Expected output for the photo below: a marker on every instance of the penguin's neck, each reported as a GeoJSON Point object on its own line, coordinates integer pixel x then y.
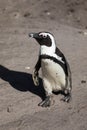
{"type": "Point", "coordinates": [50, 51]}
{"type": "Point", "coordinates": [45, 50]}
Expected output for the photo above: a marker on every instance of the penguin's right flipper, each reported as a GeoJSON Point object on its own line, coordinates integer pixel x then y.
{"type": "Point", "coordinates": [35, 74]}
{"type": "Point", "coordinates": [35, 77]}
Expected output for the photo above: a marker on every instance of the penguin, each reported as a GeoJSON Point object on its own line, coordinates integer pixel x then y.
{"type": "Point", "coordinates": [56, 73]}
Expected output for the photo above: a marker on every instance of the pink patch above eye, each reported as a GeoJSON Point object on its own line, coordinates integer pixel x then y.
{"type": "Point", "coordinates": [43, 35]}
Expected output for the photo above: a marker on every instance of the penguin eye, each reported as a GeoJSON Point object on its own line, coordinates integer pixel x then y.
{"type": "Point", "coordinates": [44, 36]}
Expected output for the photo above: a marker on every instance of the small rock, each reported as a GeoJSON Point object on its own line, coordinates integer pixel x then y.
{"type": "Point", "coordinates": [48, 13]}
{"type": "Point", "coordinates": [26, 14]}
{"type": "Point", "coordinates": [83, 81]}
{"type": "Point", "coordinates": [9, 109]}
{"type": "Point", "coordinates": [27, 68]}
{"type": "Point", "coordinates": [72, 10]}
{"type": "Point", "coordinates": [85, 33]}
{"type": "Point", "coordinates": [16, 15]}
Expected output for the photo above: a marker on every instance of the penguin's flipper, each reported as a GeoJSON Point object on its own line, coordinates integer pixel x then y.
{"type": "Point", "coordinates": [35, 74]}
{"type": "Point", "coordinates": [35, 77]}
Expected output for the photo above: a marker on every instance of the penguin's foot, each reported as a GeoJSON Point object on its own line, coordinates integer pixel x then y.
{"type": "Point", "coordinates": [47, 102]}
{"type": "Point", "coordinates": [67, 98]}
{"type": "Point", "coordinates": [35, 78]}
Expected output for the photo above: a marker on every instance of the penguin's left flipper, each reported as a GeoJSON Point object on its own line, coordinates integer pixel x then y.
{"type": "Point", "coordinates": [35, 77]}
{"type": "Point", "coordinates": [35, 74]}
{"type": "Point", "coordinates": [47, 102]}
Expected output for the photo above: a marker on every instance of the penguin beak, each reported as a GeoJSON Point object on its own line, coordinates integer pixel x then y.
{"type": "Point", "coordinates": [34, 35]}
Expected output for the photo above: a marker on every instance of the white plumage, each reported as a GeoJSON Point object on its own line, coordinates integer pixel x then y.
{"type": "Point", "coordinates": [53, 76]}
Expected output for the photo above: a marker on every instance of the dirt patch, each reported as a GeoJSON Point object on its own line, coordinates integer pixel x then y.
{"type": "Point", "coordinates": [19, 98]}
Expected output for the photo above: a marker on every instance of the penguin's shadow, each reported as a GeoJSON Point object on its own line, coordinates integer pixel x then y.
{"type": "Point", "coordinates": [21, 81]}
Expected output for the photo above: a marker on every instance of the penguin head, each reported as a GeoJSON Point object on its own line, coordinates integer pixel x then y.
{"type": "Point", "coordinates": [46, 41]}
{"type": "Point", "coordinates": [43, 38]}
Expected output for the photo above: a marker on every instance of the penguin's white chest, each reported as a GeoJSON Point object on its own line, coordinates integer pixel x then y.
{"type": "Point", "coordinates": [53, 75]}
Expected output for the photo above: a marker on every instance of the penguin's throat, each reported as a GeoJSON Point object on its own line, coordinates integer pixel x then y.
{"type": "Point", "coordinates": [47, 50]}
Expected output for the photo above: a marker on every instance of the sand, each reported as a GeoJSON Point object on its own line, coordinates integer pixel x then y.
{"type": "Point", "coordinates": [19, 98]}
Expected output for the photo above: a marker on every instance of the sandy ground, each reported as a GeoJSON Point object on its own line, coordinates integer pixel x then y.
{"type": "Point", "coordinates": [19, 98]}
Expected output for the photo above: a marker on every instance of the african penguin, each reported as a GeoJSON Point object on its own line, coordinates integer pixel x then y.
{"type": "Point", "coordinates": [56, 74]}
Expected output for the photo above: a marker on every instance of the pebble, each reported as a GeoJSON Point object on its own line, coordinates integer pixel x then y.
{"type": "Point", "coordinates": [83, 81]}
{"type": "Point", "coordinates": [27, 68]}
{"type": "Point", "coordinates": [9, 109]}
